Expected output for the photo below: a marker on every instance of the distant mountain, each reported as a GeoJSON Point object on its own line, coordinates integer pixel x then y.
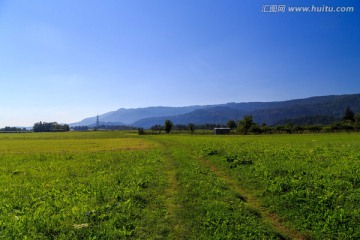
{"type": "Point", "coordinates": [129, 116]}
{"type": "Point", "coordinates": [215, 115]}
{"type": "Point", "coordinates": [299, 111]}
{"type": "Point", "coordinates": [309, 120]}
{"type": "Point", "coordinates": [327, 106]}
{"type": "Point", "coordinates": [106, 124]}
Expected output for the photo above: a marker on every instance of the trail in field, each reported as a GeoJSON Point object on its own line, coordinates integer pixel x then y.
{"type": "Point", "coordinates": [172, 206]}
{"type": "Point", "coordinates": [178, 230]}
{"type": "Point", "coordinates": [254, 203]}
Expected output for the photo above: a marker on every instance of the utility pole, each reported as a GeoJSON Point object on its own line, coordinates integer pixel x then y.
{"type": "Point", "coordinates": [97, 122]}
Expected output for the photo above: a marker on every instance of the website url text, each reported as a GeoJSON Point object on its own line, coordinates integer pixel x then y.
{"type": "Point", "coordinates": [310, 9]}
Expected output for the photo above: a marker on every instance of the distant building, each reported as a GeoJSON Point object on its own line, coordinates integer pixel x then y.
{"type": "Point", "coordinates": [218, 131]}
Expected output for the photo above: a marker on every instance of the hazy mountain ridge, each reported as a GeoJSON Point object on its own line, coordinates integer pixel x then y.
{"type": "Point", "coordinates": [300, 110]}
{"type": "Point", "coordinates": [131, 115]}
{"type": "Point", "coordinates": [201, 116]}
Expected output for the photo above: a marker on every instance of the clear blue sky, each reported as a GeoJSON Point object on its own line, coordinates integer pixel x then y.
{"type": "Point", "coordinates": [70, 59]}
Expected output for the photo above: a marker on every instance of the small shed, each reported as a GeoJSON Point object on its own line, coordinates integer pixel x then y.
{"type": "Point", "coordinates": [218, 131]}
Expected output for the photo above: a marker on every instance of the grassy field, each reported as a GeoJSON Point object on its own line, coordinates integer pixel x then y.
{"type": "Point", "coordinates": [118, 185]}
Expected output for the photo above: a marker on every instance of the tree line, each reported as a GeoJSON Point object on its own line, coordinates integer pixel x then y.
{"type": "Point", "coordinates": [170, 126]}
{"type": "Point", "coordinates": [349, 122]}
{"type": "Point", "coordinates": [12, 129]}
{"type": "Point", "coordinates": [50, 127]}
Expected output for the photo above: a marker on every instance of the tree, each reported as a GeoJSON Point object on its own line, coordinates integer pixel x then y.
{"type": "Point", "coordinates": [255, 129]}
{"type": "Point", "coordinates": [66, 127]}
{"type": "Point", "coordinates": [245, 124]}
{"type": "Point", "coordinates": [168, 126]}
{"type": "Point", "coordinates": [141, 131]}
{"type": "Point", "coordinates": [357, 118]}
{"type": "Point", "coordinates": [265, 128]}
{"type": "Point", "coordinates": [231, 124]}
{"type": "Point", "coordinates": [191, 127]}
{"type": "Point", "coordinates": [349, 115]}
{"type": "Point", "coordinates": [157, 128]}
{"type": "Point", "coordinates": [50, 127]}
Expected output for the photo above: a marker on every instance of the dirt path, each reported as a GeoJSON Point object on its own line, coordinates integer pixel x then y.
{"type": "Point", "coordinates": [254, 203]}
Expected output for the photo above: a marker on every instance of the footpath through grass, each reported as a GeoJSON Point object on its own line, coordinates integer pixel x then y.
{"type": "Point", "coordinates": [205, 206]}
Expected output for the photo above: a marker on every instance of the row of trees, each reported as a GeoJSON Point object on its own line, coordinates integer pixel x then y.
{"type": "Point", "coordinates": [80, 128]}
{"type": "Point", "coordinates": [50, 127]}
{"type": "Point", "coordinates": [170, 126]}
{"type": "Point", "coordinates": [167, 127]}
{"type": "Point", "coordinates": [13, 129]}
{"type": "Point", "coordinates": [350, 122]}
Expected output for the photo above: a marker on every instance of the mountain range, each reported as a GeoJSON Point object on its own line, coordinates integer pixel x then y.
{"type": "Point", "coordinates": [313, 110]}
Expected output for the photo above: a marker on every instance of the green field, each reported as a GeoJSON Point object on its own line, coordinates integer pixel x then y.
{"type": "Point", "coordinates": [118, 185]}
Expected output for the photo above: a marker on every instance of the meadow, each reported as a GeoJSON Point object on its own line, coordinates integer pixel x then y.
{"type": "Point", "coordinates": [119, 185]}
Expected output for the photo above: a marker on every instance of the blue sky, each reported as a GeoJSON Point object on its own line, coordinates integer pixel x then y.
{"type": "Point", "coordinates": [70, 59]}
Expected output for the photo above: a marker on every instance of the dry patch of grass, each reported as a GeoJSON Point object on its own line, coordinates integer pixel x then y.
{"type": "Point", "coordinates": [10, 146]}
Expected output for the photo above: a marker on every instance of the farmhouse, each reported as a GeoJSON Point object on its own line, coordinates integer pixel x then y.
{"type": "Point", "coordinates": [218, 131]}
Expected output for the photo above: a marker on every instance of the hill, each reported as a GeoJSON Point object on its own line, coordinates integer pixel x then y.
{"type": "Point", "coordinates": [125, 116]}
{"type": "Point", "coordinates": [299, 111]}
